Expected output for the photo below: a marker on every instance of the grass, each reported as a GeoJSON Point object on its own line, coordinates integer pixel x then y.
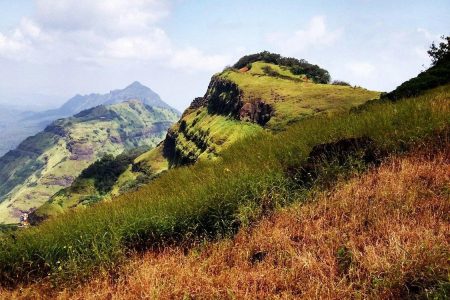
{"type": "Point", "coordinates": [217, 132]}
{"type": "Point", "coordinates": [294, 100]}
{"type": "Point", "coordinates": [207, 199]}
{"type": "Point", "coordinates": [200, 135]}
{"type": "Point", "coordinates": [376, 236]}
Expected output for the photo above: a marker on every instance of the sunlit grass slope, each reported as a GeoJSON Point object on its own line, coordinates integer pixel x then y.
{"type": "Point", "coordinates": [209, 198]}
{"type": "Point", "coordinates": [292, 96]}
{"type": "Point", "coordinates": [201, 134]}
{"type": "Point", "coordinates": [377, 236]}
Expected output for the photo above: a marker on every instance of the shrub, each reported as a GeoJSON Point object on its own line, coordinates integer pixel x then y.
{"type": "Point", "coordinates": [297, 67]}
{"type": "Point", "coordinates": [340, 82]}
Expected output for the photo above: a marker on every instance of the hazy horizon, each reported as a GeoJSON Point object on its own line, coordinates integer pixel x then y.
{"type": "Point", "coordinates": [52, 50]}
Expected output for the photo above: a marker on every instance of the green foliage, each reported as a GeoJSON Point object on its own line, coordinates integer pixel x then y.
{"type": "Point", "coordinates": [340, 82]}
{"type": "Point", "coordinates": [106, 171]}
{"type": "Point", "coordinates": [441, 52]}
{"type": "Point", "coordinates": [297, 67]}
{"type": "Point", "coordinates": [209, 198]}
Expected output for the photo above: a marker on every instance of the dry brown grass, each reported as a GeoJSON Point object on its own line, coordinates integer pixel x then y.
{"type": "Point", "coordinates": [385, 234]}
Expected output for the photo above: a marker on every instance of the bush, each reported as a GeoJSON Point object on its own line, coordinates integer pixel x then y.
{"type": "Point", "coordinates": [106, 171]}
{"type": "Point", "coordinates": [297, 67]}
{"type": "Point", "coordinates": [340, 82]}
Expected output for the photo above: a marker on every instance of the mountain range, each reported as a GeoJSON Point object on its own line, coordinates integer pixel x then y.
{"type": "Point", "coordinates": [50, 160]}
{"type": "Point", "coordinates": [17, 124]}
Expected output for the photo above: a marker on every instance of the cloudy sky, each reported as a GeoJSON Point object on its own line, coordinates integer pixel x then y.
{"type": "Point", "coordinates": [51, 50]}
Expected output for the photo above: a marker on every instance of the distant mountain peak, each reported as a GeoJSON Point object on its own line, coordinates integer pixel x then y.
{"type": "Point", "coordinates": [135, 90]}
{"type": "Point", "coordinates": [136, 84]}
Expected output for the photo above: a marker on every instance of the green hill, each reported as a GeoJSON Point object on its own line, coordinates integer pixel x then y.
{"type": "Point", "coordinates": [238, 104]}
{"type": "Point", "coordinates": [51, 160]}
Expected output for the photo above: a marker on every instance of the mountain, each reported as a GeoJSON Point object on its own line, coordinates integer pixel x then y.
{"type": "Point", "coordinates": [50, 160]}
{"type": "Point", "coordinates": [23, 124]}
{"type": "Point", "coordinates": [134, 91]}
{"type": "Point", "coordinates": [268, 93]}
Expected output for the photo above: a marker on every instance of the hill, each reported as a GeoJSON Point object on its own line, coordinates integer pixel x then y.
{"type": "Point", "coordinates": [237, 105]}
{"type": "Point", "coordinates": [43, 164]}
{"type": "Point", "coordinates": [18, 125]}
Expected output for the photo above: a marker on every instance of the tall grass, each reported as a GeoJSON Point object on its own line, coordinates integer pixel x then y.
{"type": "Point", "coordinates": [205, 199]}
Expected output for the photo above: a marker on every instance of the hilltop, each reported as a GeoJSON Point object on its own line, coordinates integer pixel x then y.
{"type": "Point", "coordinates": [51, 160]}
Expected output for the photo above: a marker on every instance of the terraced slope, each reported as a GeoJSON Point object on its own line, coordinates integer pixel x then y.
{"type": "Point", "coordinates": [51, 160]}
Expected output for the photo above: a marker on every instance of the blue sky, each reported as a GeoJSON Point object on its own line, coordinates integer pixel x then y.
{"type": "Point", "coordinates": [53, 49]}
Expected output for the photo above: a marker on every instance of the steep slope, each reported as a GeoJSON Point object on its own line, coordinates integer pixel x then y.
{"type": "Point", "coordinates": [438, 74]}
{"type": "Point", "coordinates": [43, 164]}
{"type": "Point", "coordinates": [251, 179]}
{"type": "Point", "coordinates": [241, 103]}
{"type": "Point", "coordinates": [23, 124]}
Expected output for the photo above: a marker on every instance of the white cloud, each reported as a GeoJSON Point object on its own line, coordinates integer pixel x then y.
{"type": "Point", "coordinates": [100, 33]}
{"type": "Point", "coordinates": [193, 59]}
{"type": "Point", "coordinates": [11, 45]}
{"type": "Point", "coordinates": [112, 16]}
{"type": "Point", "coordinates": [153, 44]}
{"type": "Point", "coordinates": [428, 35]}
{"type": "Point", "coordinates": [361, 69]}
{"type": "Point", "coordinates": [316, 34]}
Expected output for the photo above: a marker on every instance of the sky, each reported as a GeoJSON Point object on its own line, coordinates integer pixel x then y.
{"type": "Point", "coordinates": [51, 50]}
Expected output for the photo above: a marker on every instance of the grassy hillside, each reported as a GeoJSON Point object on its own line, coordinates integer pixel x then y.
{"type": "Point", "coordinates": [380, 235]}
{"type": "Point", "coordinates": [238, 104]}
{"type": "Point", "coordinates": [51, 160]}
{"type": "Point", "coordinates": [214, 198]}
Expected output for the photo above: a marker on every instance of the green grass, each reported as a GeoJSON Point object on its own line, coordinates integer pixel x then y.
{"type": "Point", "coordinates": [216, 132]}
{"type": "Point", "coordinates": [207, 199]}
{"type": "Point", "coordinates": [201, 134]}
{"type": "Point", "coordinates": [295, 100]}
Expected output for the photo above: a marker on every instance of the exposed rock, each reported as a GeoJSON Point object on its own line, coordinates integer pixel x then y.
{"type": "Point", "coordinates": [115, 139]}
{"type": "Point", "coordinates": [224, 97]}
{"type": "Point", "coordinates": [63, 181]}
{"type": "Point", "coordinates": [197, 103]}
{"type": "Point", "coordinates": [80, 151]}
{"type": "Point", "coordinates": [56, 129]}
{"type": "Point", "coordinates": [257, 112]}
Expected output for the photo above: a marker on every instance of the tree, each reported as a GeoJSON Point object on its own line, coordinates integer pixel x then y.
{"type": "Point", "coordinates": [440, 52]}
